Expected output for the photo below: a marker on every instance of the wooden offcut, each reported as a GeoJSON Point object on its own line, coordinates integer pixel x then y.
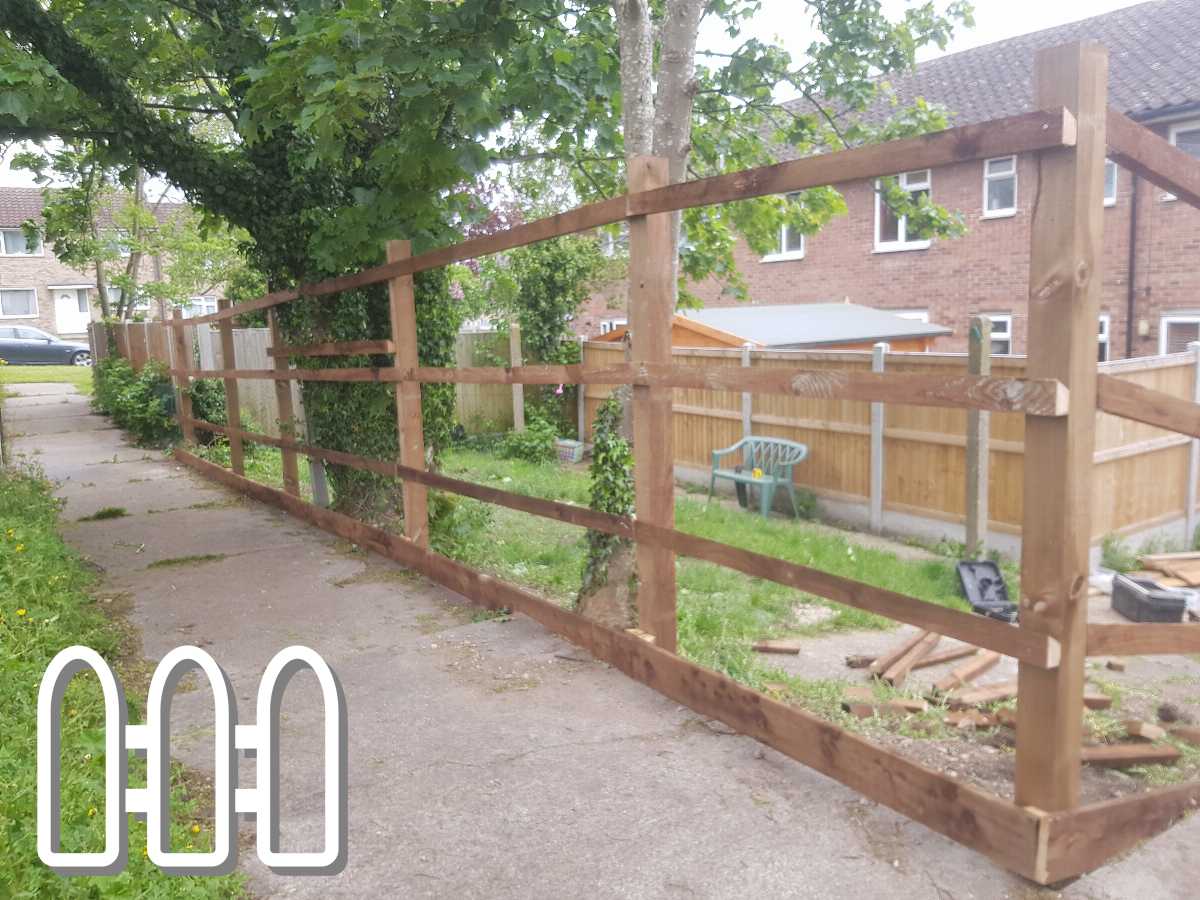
{"type": "Point", "coordinates": [886, 660]}
{"type": "Point", "coordinates": [982, 696]}
{"type": "Point", "coordinates": [1121, 756]}
{"type": "Point", "coordinates": [1136, 728]}
{"type": "Point", "coordinates": [897, 673]}
{"type": "Point", "coordinates": [983, 661]}
{"type": "Point", "coordinates": [777, 645]}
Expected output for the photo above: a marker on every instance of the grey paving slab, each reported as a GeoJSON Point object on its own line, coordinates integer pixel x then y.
{"type": "Point", "coordinates": [489, 758]}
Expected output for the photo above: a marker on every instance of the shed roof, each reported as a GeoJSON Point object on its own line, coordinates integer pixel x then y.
{"type": "Point", "coordinates": [812, 324]}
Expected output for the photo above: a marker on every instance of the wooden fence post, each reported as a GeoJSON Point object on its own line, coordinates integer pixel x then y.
{"type": "Point", "coordinates": [1189, 537]}
{"type": "Point", "coordinates": [651, 307]}
{"type": "Point", "coordinates": [233, 406]}
{"type": "Point", "coordinates": [182, 351]}
{"type": "Point", "coordinates": [287, 412]}
{"type": "Point", "coordinates": [979, 362]}
{"type": "Point", "coordinates": [878, 358]}
{"type": "Point", "coordinates": [408, 396]}
{"type": "Point", "coordinates": [581, 397]}
{"type": "Point", "coordinates": [747, 397]}
{"type": "Point", "coordinates": [518, 390]}
{"type": "Point", "coordinates": [1064, 289]}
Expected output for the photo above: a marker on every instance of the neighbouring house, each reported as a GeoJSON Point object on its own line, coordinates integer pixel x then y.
{"type": "Point", "coordinates": [808, 326]}
{"type": "Point", "coordinates": [39, 290]}
{"type": "Point", "coordinates": [1150, 301]}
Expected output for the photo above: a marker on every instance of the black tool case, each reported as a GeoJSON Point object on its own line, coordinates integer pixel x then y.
{"type": "Point", "coordinates": [1143, 600]}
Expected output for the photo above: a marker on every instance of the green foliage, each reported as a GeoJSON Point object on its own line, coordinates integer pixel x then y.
{"type": "Point", "coordinates": [611, 474]}
{"type": "Point", "coordinates": [1117, 555]}
{"type": "Point", "coordinates": [535, 444]}
{"type": "Point", "coordinates": [208, 400]}
{"type": "Point", "coordinates": [136, 401]}
{"type": "Point", "coordinates": [44, 607]}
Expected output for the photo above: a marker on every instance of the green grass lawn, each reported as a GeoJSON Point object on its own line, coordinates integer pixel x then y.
{"type": "Point", "coordinates": [45, 606]}
{"type": "Point", "coordinates": [80, 376]}
{"type": "Point", "coordinates": [720, 611]}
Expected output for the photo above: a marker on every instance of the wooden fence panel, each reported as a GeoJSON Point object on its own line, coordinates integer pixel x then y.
{"type": "Point", "coordinates": [483, 407]}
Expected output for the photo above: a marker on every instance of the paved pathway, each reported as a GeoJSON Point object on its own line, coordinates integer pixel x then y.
{"type": "Point", "coordinates": [488, 759]}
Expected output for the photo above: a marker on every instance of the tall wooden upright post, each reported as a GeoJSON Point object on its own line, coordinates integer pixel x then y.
{"type": "Point", "coordinates": [408, 395]}
{"type": "Point", "coordinates": [233, 407]}
{"type": "Point", "coordinates": [651, 308]}
{"type": "Point", "coordinates": [287, 410]}
{"type": "Point", "coordinates": [518, 389]}
{"type": "Point", "coordinates": [1064, 289]}
{"type": "Point", "coordinates": [182, 350]}
{"type": "Point", "coordinates": [979, 362]}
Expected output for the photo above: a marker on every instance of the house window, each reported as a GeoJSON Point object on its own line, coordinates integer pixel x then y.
{"type": "Point", "coordinates": [1102, 337]}
{"type": "Point", "coordinates": [1110, 183]}
{"type": "Point", "coordinates": [14, 242]}
{"type": "Point", "coordinates": [916, 315]}
{"type": "Point", "coordinates": [18, 304]}
{"type": "Point", "coordinates": [610, 325]}
{"type": "Point", "coordinates": [200, 306]}
{"type": "Point", "coordinates": [1002, 334]}
{"type": "Point", "coordinates": [891, 230]}
{"type": "Point", "coordinates": [791, 242]}
{"type": "Point", "coordinates": [999, 187]}
{"type": "Point", "coordinates": [1176, 332]}
{"type": "Point", "coordinates": [1185, 136]}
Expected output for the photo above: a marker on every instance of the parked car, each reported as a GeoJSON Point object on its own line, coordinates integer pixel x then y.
{"type": "Point", "coordinates": [21, 345]}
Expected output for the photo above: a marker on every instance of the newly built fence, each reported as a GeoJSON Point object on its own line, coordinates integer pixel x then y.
{"type": "Point", "coordinates": [1142, 474]}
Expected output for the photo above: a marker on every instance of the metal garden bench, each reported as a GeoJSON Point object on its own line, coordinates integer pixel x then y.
{"type": "Point", "coordinates": [766, 462]}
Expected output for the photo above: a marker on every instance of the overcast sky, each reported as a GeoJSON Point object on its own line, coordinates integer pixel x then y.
{"type": "Point", "coordinates": [994, 21]}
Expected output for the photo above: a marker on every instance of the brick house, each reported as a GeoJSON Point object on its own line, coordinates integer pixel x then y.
{"type": "Point", "coordinates": [1151, 275]}
{"type": "Point", "coordinates": [39, 290]}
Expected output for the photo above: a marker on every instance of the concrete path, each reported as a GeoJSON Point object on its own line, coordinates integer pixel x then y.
{"type": "Point", "coordinates": [487, 758]}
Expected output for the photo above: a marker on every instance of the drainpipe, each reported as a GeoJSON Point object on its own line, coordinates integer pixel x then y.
{"type": "Point", "coordinates": [1131, 296]}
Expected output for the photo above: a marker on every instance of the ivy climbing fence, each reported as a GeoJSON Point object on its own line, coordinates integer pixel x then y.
{"type": "Point", "coordinates": [1042, 833]}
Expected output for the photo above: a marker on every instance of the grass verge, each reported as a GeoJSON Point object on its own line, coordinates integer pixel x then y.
{"type": "Point", "coordinates": [44, 607]}
{"type": "Point", "coordinates": [80, 376]}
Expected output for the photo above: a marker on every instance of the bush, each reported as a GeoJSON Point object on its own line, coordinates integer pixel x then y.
{"type": "Point", "coordinates": [136, 401]}
{"type": "Point", "coordinates": [1115, 554]}
{"type": "Point", "coordinates": [535, 444]}
{"type": "Point", "coordinates": [208, 400]}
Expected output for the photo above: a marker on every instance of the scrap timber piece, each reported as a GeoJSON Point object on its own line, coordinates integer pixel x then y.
{"type": "Point", "coordinates": [898, 671]}
{"type": "Point", "coordinates": [981, 662]}
{"type": "Point", "coordinates": [1136, 728]}
{"type": "Point", "coordinates": [1118, 756]}
{"type": "Point", "coordinates": [889, 659]}
{"type": "Point", "coordinates": [773, 645]}
{"type": "Point", "coordinates": [859, 660]}
{"type": "Point", "coordinates": [1007, 716]}
{"type": "Point", "coordinates": [980, 696]}
{"type": "Point", "coordinates": [859, 701]}
{"type": "Point", "coordinates": [969, 719]}
{"type": "Point", "coordinates": [1187, 733]}
{"type": "Point", "coordinates": [904, 706]}
{"type": "Point", "coordinates": [1096, 700]}
{"type": "Point", "coordinates": [945, 656]}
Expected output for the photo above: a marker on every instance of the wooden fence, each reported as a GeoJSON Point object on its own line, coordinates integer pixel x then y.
{"type": "Point", "coordinates": [1044, 832]}
{"type": "Point", "coordinates": [1142, 473]}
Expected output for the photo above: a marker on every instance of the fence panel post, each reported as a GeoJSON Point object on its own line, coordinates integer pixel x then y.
{"type": "Point", "coordinates": [651, 307]}
{"type": "Point", "coordinates": [182, 353]}
{"type": "Point", "coordinates": [233, 405]}
{"type": "Point", "coordinates": [1193, 457]}
{"type": "Point", "coordinates": [878, 362]}
{"type": "Point", "coordinates": [1064, 292]}
{"type": "Point", "coordinates": [287, 412]}
{"type": "Point", "coordinates": [747, 397]}
{"type": "Point", "coordinates": [581, 397]}
{"type": "Point", "coordinates": [121, 336]}
{"type": "Point", "coordinates": [979, 362]}
{"type": "Point", "coordinates": [408, 396]}
{"type": "Point", "coordinates": [518, 390]}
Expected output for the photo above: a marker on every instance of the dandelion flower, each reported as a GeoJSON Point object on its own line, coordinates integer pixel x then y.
{"type": "Point", "coordinates": [195, 829]}
{"type": "Point", "coordinates": [20, 548]}
{"type": "Point", "coordinates": [91, 812]}
{"type": "Point", "coordinates": [22, 611]}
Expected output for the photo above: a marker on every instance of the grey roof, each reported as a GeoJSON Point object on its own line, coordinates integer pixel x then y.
{"type": "Point", "coordinates": [19, 204]}
{"type": "Point", "coordinates": [812, 324]}
{"type": "Point", "coordinates": [1154, 66]}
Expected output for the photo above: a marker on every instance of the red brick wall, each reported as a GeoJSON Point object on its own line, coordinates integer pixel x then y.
{"type": "Point", "coordinates": [985, 271]}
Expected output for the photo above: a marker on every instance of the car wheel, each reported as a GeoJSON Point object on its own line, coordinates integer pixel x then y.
{"type": "Point", "coordinates": [82, 358]}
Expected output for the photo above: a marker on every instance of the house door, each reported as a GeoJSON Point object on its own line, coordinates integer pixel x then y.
{"type": "Point", "coordinates": [72, 313]}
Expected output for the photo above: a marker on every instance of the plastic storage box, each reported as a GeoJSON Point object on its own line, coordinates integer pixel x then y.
{"type": "Point", "coordinates": [569, 451]}
{"type": "Point", "coordinates": [1142, 600]}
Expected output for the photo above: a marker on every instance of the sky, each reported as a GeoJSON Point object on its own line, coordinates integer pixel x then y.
{"type": "Point", "coordinates": [995, 20]}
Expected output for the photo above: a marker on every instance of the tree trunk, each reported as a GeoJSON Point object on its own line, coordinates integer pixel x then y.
{"type": "Point", "coordinates": [636, 35]}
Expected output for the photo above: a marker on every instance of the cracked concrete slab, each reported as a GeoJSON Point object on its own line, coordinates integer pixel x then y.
{"type": "Point", "coordinates": [489, 758]}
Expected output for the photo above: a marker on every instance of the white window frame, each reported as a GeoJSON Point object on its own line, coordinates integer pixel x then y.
{"type": "Point", "coordinates": [1173, 135]}
{"type": "Point", "coordinates": [202, 301]}
{"type": "Point", "coordinates": [607, 326]}
{"type": "Point", "coordinates": [902, 243]}
{"type": "Point", "coordinates": [1006, 335]}
{"type": "Point", "coordinates": [915, 315]}
{"type": "Point", "coordinates": [782, 254]}
{"type": "Point", "coordinates": [36, 304]}
{"type": "Point", "coordinates": [1184, 318]}
{"type": "Point", "coordinates": [1109, 164]}
{"type": "Point", "coordinates": [1104, 336]}
{"type": "Point", "coordinates": [1009, 211]}
{"type": "Point", "coordinates": [41, 250]}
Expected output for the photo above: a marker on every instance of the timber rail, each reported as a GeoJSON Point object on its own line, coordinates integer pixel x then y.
{"type": "Point", "coordinates": [1044, 833]}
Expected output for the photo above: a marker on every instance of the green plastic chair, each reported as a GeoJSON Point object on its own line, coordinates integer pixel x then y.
{"type": "Point", "coordinates": [773, 457]}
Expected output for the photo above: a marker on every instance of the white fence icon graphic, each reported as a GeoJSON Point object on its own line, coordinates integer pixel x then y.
{"type": "Point", "coordinates": [152, 738]}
